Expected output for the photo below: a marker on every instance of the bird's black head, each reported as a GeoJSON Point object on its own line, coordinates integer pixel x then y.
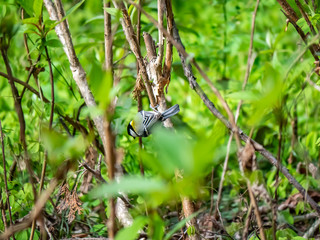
{"type": "Point", "coordinates": [131, 131]}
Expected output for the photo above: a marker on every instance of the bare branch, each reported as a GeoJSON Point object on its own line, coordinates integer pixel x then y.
{"type": "Point", "coordinates": [26, 85]}
{"type": "Point", "coordinates": [56, 13]}
{"type": "Point", "coordinates": [132, 40]}
{"type": "Point", "coordinates": [5, 176]}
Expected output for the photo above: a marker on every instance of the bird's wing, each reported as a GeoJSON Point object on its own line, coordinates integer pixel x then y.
{"type": "Point", "coordinates": [150, 118]}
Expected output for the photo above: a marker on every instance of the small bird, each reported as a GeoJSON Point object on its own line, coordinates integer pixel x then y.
{"type": "Point", "coordinates": [144, 121]}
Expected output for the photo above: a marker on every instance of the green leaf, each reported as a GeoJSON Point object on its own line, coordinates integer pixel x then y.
{"type": "Point", "coordinates": [69, 12]}
{"type": "Point", "coordinates": [31, 20]}
{"type": "Point", "coordinates": [96, 18]}
{"type": "Point", "coordinates": [179, 225]}
{"type": "Point", "coordinates": [53, 43]}
{"type": "Point", "coordinates": [132, 232]}
{"type": "Point", "coordinates": [113, 11]}
{"type": "Point", "coordinates": [61, 147]}
{"type": "Point", "coordinates": [27, 5]}
{"type": "Point", "coordinates": [74, 8]}
{"type": "Point", "coordinates": [129, 184]}
{"type": "Point", "coordinates": [37, 8]}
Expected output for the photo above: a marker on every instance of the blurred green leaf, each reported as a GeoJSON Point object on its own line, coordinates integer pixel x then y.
{"type": "Point", "coordinates": [132, 232]}
{"type": "Point", "coordinates": [37, 8]}
{"type": "Point", "coordinates": [130, 184]}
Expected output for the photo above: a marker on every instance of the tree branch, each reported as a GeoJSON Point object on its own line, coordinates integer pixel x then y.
{"type": "Point", "coordinates": [56, 13]}
{"type": "Point", "coordinates": [26, 85]}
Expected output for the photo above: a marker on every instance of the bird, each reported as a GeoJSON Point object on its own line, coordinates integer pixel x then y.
{"type": "Point", "coordinates": [143, 122]}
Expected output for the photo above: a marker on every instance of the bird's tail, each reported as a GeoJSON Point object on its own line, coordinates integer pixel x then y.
{"type": "Point", "coordinates": [170, 112]}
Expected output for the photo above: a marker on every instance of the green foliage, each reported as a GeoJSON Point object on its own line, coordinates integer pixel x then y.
{"type": "Point", "coordinates": [177, 162]}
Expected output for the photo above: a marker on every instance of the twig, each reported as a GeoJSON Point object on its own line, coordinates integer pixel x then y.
{"type": "Point", "coordinates": [18, 108]}
{"type": "Point", "coordinates": [109, 149]}
{"type": "Point", "coordinates": [44, 165]}
{"type": "Point", "coordinates": [288, 9]}
{"type": "Point", "coordinates": [139, 97]}
{"type": "Point", "coordinates": [160, 34]}
{"type": "Point", "coordinates": [256, 211]}
{"type": "Point", "coordinates": [5, 177]}
{"type": "Point", "coordinates": [96, 173]}
{"type": "Point", "coordinates": [312, 47]}
{"type": "Point", "coordinates": [305, 16]}
{"type": "Point", "coordinates": [168, 59]}
{"type": "Point", "coordinates": [246, 78]}
{"type": "Point", "coordinates": [31, 71]}
{"type": "Point", "coordinates": [275, 201]}
{"type": "Point", "coordinates": [27, 86]}
{"type": "Point", "coordinates": [132, 40]}
{"type": "Point", "coordinates": [294, 137]}
{"type": "Point", "coordinates": [316, 87]}
{"type": "Point", "coordinates": [56, 13]}
{"type": "Point", "coordinates": [45, 195]}
{"type": "Point", "coordinates": [247, 223]}
{"type": "Point", "coordinates": [312, 229]}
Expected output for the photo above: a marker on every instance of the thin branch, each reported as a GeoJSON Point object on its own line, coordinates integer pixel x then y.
{"type": "Point", "coordinates": [5, 176]}
{"type": "Point", "coordinates": [56, 13]}
{"type": "Point", "coordinates": [256, 211]}
{"type": "Point", "coordinates": [132, 40]}
{"type": "Point", "coordinates": [160, 34]}
{"type": "Point", "coordinates": [45, 195]}
{"type": "Point", "coordinates": [312, 47]}
{"type": "Point", "coordinates": [288, 9]}
{"type": "Point", "coordinates": [247, 223]}
{"type": "Point", "coordinates": [312, 229]}
{"type": "Point", "coordinates": [52, 87]}
{"type": "Point", "coordinates": [305, 16]}
{"type": "Point", "coordinates": [19, 111]}
{"type": "Point", "coordinates": [168, 58]}
{"type": "Point", "coordinates": [109, 149]}
{"type": "Point", "coordinates": [314, 85]}
{"type": "Point", "coordinates": [275, 201]}
{"type": "Point", "coordinates": [246, 78]}
{"type": "Point", "coordinates": [31, 71]}
{"type": "Point", "coordinates": [139, 97]}
{"type": "Point", "coordinates": [27, 86]}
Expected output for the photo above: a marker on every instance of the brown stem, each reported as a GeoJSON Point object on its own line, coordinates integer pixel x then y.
{"type": "Point", "coordinates": [110, 158]}
{"type": "Point", "coordinates": [45, 195]}
{"type": "Point", "coordinates": [160, 34]}
{"type": "Point", "coordinates": [5, 176]}
{"type": "Point", "coordinates": [132, 39]}
{"type": "Point", "coordinates": [139, 97]}
{"type": "Point", "coordinates": [247, 223]}
{"type": "Point", "coordinates": [256, 211]}
{"type": "Point", "coordinates": [44, 165]}
{"type": "Point", "coordinates": [305, 16]}
{"type": "Point", "coordinates": [52, 87]}
{"type": "Point", "coordinates": [168, 59]}
{"type": "Point", "coordinates": [275, 200]}
{"type": "Point", "coordinates": [288, 9]}
{"type": "Point", "coordinates": [312, 47]}
{"type": "Point", "coordinates": [246, 78]}
{"type": "Point", "coordinates": [18, 108]}
{"type": "Point", "coordinates": [294, 137]}
{"type": "Point", "coordinates": [27, 86]}
{"type": "Point", "coordinates": [31, 71]}
{"type": "Point", "coordinates": [110, 151]}
{"type": "Point", "coordinates": [108, 37]}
